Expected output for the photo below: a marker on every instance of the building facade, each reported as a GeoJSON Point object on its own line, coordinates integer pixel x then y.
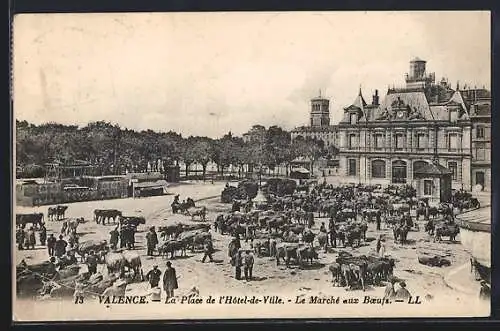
{"type": "Point", "coordinates": [421, 123]}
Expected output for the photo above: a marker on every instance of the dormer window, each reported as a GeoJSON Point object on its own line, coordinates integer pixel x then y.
{"type": "Point", "coordinates": [354, 118]}
{"type": "Point", "coordinates": [453, 115]}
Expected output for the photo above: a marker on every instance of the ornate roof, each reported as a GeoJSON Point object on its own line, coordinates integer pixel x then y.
{"type": "Point", "coordinates": [432, 169]}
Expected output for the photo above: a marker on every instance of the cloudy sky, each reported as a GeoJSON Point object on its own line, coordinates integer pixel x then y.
{"type": "Point", "coordinates": [207, 73]}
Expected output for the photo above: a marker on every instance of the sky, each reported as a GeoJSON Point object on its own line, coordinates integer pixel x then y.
{"type": "Point", "coordinates": [209, 73]}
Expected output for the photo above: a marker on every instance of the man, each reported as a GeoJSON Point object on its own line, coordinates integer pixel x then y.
{"type": "Point", "coordinates": [123, 238]}
{"type": "Point", "coordinates": [402, 292]}
{"type": "Point", "coordinates": [20, 236]}
{"type": "Point", "coordinates": [43, 234]}
{"type": "Point", "coordinates": [485, 291]}
{"type": "Point", "coordinates": [152, 240]}
{"type": "Point", "coordinates": [31, 239]}
{"type": "Point", "coordinates": [237, 263]}
{"type": "Point", "coordinates": [379, 220]}
{"type": "Point", "coordinates": [60, 247]}
{"type": "Point", "coordinates": [51, 243]}
{"type": "Point", "coordinates": [114, 236]}
{"type": "Point", "coordinates": [170, 281]}
{"type": "Point", "coordinates": [248, 267]}
{"type": "Point", "coordinates": [91, 262]}
{"type": "Point", "coordinates": [153, 276]}
{"type": "Point", "coordinates": [389, 289]}
{"type": "Point", "coordinates": [322, 228]}
{"type": "Point", "coordinates": [209, 249]}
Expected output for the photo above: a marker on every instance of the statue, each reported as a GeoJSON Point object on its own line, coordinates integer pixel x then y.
{"type": "Point", "coordinates": [415, 114]}
{"type": "Point", "coordinates": [384, 116]}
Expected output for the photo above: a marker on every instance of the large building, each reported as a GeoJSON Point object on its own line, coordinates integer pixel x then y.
{"type": "Point", "coordinates": [386, 142]}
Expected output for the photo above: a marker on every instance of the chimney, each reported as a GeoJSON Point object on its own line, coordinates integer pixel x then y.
{"type": "Point", "coordinates": [375, 99]}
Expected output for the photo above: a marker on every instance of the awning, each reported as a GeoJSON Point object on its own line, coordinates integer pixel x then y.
{"type": "Point", "coordinates": [301, 170]}
{"type": "Point", "coordinates": [156, 184]}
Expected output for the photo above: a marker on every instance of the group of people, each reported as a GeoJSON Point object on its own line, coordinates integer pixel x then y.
{"type": "Point", "coordinates": [391, 292]}
{"type": "Point", "coordinates": [26, 239]}
{"type": "Point", "coordinates": [170, 282]}
{"type": "Point", "coordinates": [124, 235]}
{"type": "Point", "coordinates": [238, 260]}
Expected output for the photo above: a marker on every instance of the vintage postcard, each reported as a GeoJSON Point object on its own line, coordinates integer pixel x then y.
{"type": "Point", "coordinates": [251, 165]}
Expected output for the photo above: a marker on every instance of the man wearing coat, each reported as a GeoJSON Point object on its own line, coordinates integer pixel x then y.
{"type": "Point", "coordinates": [170, 281]}
{"type": "Point", "coordinates": [152, 241]}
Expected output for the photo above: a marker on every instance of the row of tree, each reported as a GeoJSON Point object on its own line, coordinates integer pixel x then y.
{"type": "Point", "coordinates": [113, 150]}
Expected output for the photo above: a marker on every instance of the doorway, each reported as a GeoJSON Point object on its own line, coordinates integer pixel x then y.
{"type": "Point", "coordinates": [480, 179]}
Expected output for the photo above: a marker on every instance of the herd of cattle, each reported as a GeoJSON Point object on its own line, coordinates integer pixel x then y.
{"type": "Point", "coordinates": [280, 228]}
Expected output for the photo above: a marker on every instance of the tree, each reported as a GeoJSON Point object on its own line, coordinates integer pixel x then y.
{"type": "Point", "coordinates": [310, 148]}
{"type": "Point", "coordinates": [199, 149]}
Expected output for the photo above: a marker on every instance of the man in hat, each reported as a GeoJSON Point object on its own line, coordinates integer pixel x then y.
{"type": "Point", "coordinates": [209, 249]}
{"type": "Point", "coordinates": [379, 220]}
{"type": "Point", "coordinates": [31, 239]}
{"type": "Point", "coordinates": [91, 262]}
{"type": "Point", "coordinates": [60, 247]}
{"type": "Point", "coordinates": [170, 281]}
{"type": "Point", "coordinates": [153, 276]}
{"type": "Point", "coordinates": [114, 236]}
{"type": "Point", "coordinates": [248, 267]}
{"type": "Point", "coordinates": [51, 243]}
{"type": "Point", "coordinates": [389, 289]}
{"type": "Point", "coordinates": [485, 291]}
{"type": "Point", "coordinates": [152, 240]}
{"type": "Point", "coordinates": [402, 292]}
{"type": "Point", "coordinates": [43, 234]}
{"type": "Point", "coordinates": [237, 262]}
{"type": "Point", "coordinates": [20, 235]}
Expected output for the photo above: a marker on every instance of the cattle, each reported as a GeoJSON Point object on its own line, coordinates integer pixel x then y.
{"type": "Point", "coordinates": [336, 270]}
{"type": "Point", "coordinates": [306, 254]}
{"type": "Point", "coordinates": [170, 231]}
{"type": "Point", "coordinates": [199, 239]}
{"type": "Point", "coordinates": [120, 261]}
{"type": "Point", "coordinates": [200, 212]}
{"type": "Point", "coordinates": [86, 247]}
{"type": "Point", "coordinates": [101, 215]}
{"type": "Point", "coordinates": [380, 270]}
{"type": "Point", "coordinates": [446, 230]}
{"type": "Point", "coordinates": [172, 246]}
{"type": "Point", "coordinates": [71, 225]}
{"type": "Point", "coordinates": [36, 219]}
{"type": "Point", "coordinates": [308, 237]}
{"type": "Point", "coordinates": [286, 251]}
{"type": "Point", "coordinates": [262, 245]}
{"type": "Point", "coordinates": [353, 237]}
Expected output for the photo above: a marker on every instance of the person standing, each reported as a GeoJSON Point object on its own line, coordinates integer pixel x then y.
{"type": "Point", "coordinates": [20, 236]}
{"type": "Point", "coordinates": [379, 220]}
{"type": "Point", "coordinates": [60, 247]}
{"type": "Point", "coordinates": [248, 267]}
{"type": "Point", "coordinates": [31, 239]}
{"type": "Point", "coordinates": [382, 248]}
{"type": "Point", "coordinates": [51, 243]}
{"type": "Point", "coordinates": [113, 238]}
{"type": "Point", "coordinates": [152, 240]}
{"type": "Point", "coordinates": [122, 237]}
{"type": "Point", "coordinates": [91, 262]}
{"type": "Point", "coordinates": [209, 249]}
{"type": "Point", "coordinates": [170, 281]}
{"type": "Point", "coordinates": [237, 262]}
{"type": "Point", "coordinates": [42, 234]}
{"type": "Point", "coordinates": [153, 276]}
{"type": "Point", "coordinates": [322, 228]}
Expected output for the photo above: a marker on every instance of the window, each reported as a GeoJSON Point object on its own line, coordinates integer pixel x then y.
{"type": "Point", "coordinates": [353, 142]}
{"type": "Point", "coordinates": [421, 141]}
{"type": "Point", "coordinates": [354, 118]}
{"type": "Point", "coordinates": [453, 115]}
{"type": "Point", "coordinates": [417, 165]}
{"type": "Point", "coordinates": [427, 187]}
{"type": "Point", "coordinates": [480, 151]}
{"type": "Point", "coordinates": [453, 142]}
{"type": "Point", "coordinates": [399, 172]}
{"type": "Point", "coordinates": [378, 169]}
{"type": "Point", "coordinates": [454, 170]}
{"type": "Point", "coordinates": [399, 141]}
{"type": "Point", "coordinates": [352, 171]}
{"type": "Point", "coordinates": [379, 141]}
{"type": "Point", "coordinates": [480, 132]}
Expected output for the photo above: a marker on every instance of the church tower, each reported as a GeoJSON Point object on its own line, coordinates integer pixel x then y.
{"type": "Point", "coordinates": [320, 112]}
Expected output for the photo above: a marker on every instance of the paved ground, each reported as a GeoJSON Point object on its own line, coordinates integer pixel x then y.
{"type": "Point", "coordinates": [218, 278]}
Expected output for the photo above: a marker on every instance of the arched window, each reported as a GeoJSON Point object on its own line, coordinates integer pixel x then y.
{"type": "Point", "coordinates": [417, 165]}
{"type": "Point", "coordinates": [399, 172]}
{"type": "Point", "coordinates": [378, 169]}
